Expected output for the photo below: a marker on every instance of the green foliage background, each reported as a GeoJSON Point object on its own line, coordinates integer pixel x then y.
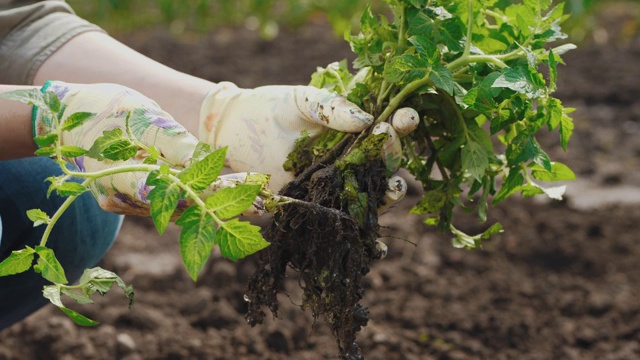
{"type": "Point", "coordinates": [266, 16]}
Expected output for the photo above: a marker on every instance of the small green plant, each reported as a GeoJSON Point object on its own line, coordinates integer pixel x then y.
{"type": "Point", "coordinates": [481, 76]}
{"type": "Point", "coordinates": [205, 222]}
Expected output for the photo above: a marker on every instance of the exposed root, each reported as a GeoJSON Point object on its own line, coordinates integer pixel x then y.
{"type": "Point", "coordinates": [332, 251]}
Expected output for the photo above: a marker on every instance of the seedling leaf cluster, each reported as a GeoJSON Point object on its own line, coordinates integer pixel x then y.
{"type": "Point", "coordinates": [180, 194]}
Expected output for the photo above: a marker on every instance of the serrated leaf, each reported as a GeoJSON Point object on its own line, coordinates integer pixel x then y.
{"type": "Point", "coordinates": [566, 130]}
{"type": "Point", "coordinates": [80, 297]}
{"type": "Point", "coordinates": [38, 217]}
{"type": "Point", "coordinates": [164, 200]}
{"type": "Point", "coordinates": [202, 149]}
{"type": "Point", "coordinates": [196, 239]}
{"type": "Point", "coordinates": [72, 151]}
{"type": "Point", "coordinates": [426, 48]}
{"type": "Point", "coordinates": [46, 140]}
{"type": "Point", "coordinates": [79, 318]}
{"type": "Point", "coordinates": [52, 101]}
{"type": "Point", "coordinates": [475, 159]}
{"type": "Point", "coordinates": [49, 267]}
{"type": "Point", "coordinates": [443, 79]}
{"type": "Point", "coordinates": [238, 239]}
{"type": "Point", "coordinates": [553, 71]}
{"type": "Point", "coordinates": [112, 145]}
{"type": "Point", "coordinates": [232, 201]}
{"type": "Point", "coordinates": [46, 151]}
{"type": "Point", "coordinates": [17, 262]}
{"type": "Point", "coordinates": [27, 96]}
{"type": "Point", "coordinates": [76, 119]}
{"type": "Point", "coordinates": [516, 80]}
{"type": "Point", "coordinates": [101, 280]}
{"type": "Point", "coordinates": [480, 99]}
{"type": "Point", "coordinates": [431, 203]}
{"type": "Point", "coordinates": [511, 184]}
{"type": "Point", "coordinates": [69, 188]}
{"type": "Point", "coordinates": [198, 176]}
{"type": "Point", "coordinates": [406, 68]}
{"type": "Point", "coordinates": [559, 172]}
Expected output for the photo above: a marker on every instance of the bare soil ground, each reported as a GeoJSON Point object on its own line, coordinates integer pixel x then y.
{"type": "Point", "coordinates": [562, 283]}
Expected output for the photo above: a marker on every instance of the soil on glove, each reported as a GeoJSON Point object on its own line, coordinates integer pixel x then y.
{"type": "Point", "coordinates": [562, 282]}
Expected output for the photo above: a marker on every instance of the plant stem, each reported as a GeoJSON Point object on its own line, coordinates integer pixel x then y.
{"type": "Point", "coordinates": [117, 170]}
{"type": "Point", "coordinates": [192, 194]}
{"type": "Point", "coordinates": [467, 44]}
{"type": "Point", "coordinates": [343, 88]}
{"type": "Point", "coordinates": [65, 205]}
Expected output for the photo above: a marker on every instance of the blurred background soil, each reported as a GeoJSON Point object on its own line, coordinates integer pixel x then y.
{"type": "Point", "coordinates": [562, 282]}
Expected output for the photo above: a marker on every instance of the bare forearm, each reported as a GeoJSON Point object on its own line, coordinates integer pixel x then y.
{"type": "Point", "coordinates": [95, 57]}
{"type": "Point", "coordinates": [16, 139]}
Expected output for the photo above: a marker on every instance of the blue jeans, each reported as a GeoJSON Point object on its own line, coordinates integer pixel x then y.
{"type": "Point", "coordinates": [79, 239]}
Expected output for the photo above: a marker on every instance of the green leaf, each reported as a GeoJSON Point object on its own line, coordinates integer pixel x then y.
{"type": "Point", "coordinates": [38, 217]}
{"type": "Point", "coordinates": [480, 99]}
{"type": "Point", "coordinates": [27, 96]}
{"type": "Point", "coordinates": [17, 262]}
{"type": "Point", "coordinates": [202, 149]}
{"type": "Point", "coordinates": [79, 297]}
{"type": "Point", "coordinates": [46, 140]}
{"type": "Point", "coordinates": [113, 145]}
{"type": "Point", "coordinates": [79, 318]}
{"type": "Point", "coordinates": [72, 151]}
{"type": "Point", "coordinates": [232, 201]}
{"type": "Point", "coordinates": [52, 292]}
{"type": "Point", "coordinates": [553, 70]}
{"type": "Point", "coordinates": [554, 113]}
{"type": "Point", "coordinates": [431, 203]}
{"type": "Point", "coordinates": [516, 80]}
{"type": "Point", "coordinates": [196, 239]}
{"type": "Point", "coordinates": [475, 159]}
{"type": "Point", "coordinates": [406, 68]}
{"type": "Point", "coordinates": [238, 239]}
{"type": "Point", "coordinates": [69, 188]}
{"type": "Point", "coordinates": [76, 119]}
{"type": "Point", "coordinates": [46, 151]}
{"type": "Point", "coordinates": [566, 130]}
{"type": "Point", "coordinates": [426, 48]}
{"type": "Point", "coordinates": [198, 176]}
{"type": "Point", "coordinates": [164, 199]}
{"type": "Point", "coordinates": [443, 79]}
{"type": "Point", "coordinates": [100, 280]}
{"type": "Point", "coordinates": [52, 101]}
{"type": "Point", "coordinates": [49, 266]}
{"type": "Point", "coordinates": [512, 183]}
{"type": "Point", "coordinates": [559, 172]}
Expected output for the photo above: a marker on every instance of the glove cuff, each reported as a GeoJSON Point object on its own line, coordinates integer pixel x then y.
{"type": "Point", "coordinates": [40, 123]}
{"type": "Point", "coordinates": [213, 110]}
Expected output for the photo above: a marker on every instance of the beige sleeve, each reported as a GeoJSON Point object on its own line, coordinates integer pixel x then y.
{"type": "Point", "coordinates": [30, 34]}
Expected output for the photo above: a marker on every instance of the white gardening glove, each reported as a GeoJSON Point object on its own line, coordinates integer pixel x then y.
{"type": "Point", "coordinates": [260, 126]}
{"type": "Point", "coordinates": [124, 193]}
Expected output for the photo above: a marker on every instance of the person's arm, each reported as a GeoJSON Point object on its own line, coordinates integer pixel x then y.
{"type": "Point", "coordinates": [95, 57]}
{"type": "Point", "coordinates": [16, 138]}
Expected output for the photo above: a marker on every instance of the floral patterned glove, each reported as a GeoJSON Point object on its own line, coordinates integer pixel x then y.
{"type": "Point", "coordinates": [260, 126]}
{"type": "Point", "coordinates": [121, 193]}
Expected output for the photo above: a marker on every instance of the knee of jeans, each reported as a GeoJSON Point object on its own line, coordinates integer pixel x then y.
{"type": "Point", "coordinates": [85, 233]}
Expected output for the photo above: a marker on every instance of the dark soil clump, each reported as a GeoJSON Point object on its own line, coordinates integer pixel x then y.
{"type": "Point", "coordinates": [330, 251]}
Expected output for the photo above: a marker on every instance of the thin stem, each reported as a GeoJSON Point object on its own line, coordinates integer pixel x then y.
{"type": "Point", "coordinates": [65, 205]}
{"type": "Point", "coordinates": [192, 194]}
{"type": "Point", "coordinates": [467, 45]}
{"type": "Point", "coordinates": [118, 170]}
{"type": "Point", "coordinates": [397, 100]}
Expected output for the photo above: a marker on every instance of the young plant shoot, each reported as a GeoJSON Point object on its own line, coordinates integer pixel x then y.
{"type": "Point", "coordinates": [473, 71]}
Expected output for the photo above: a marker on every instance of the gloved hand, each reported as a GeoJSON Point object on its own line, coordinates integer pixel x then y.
{"type": "Point", "coordinates": [260, 127]}
{"type": "Point", "coordinates": [121, 193]}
